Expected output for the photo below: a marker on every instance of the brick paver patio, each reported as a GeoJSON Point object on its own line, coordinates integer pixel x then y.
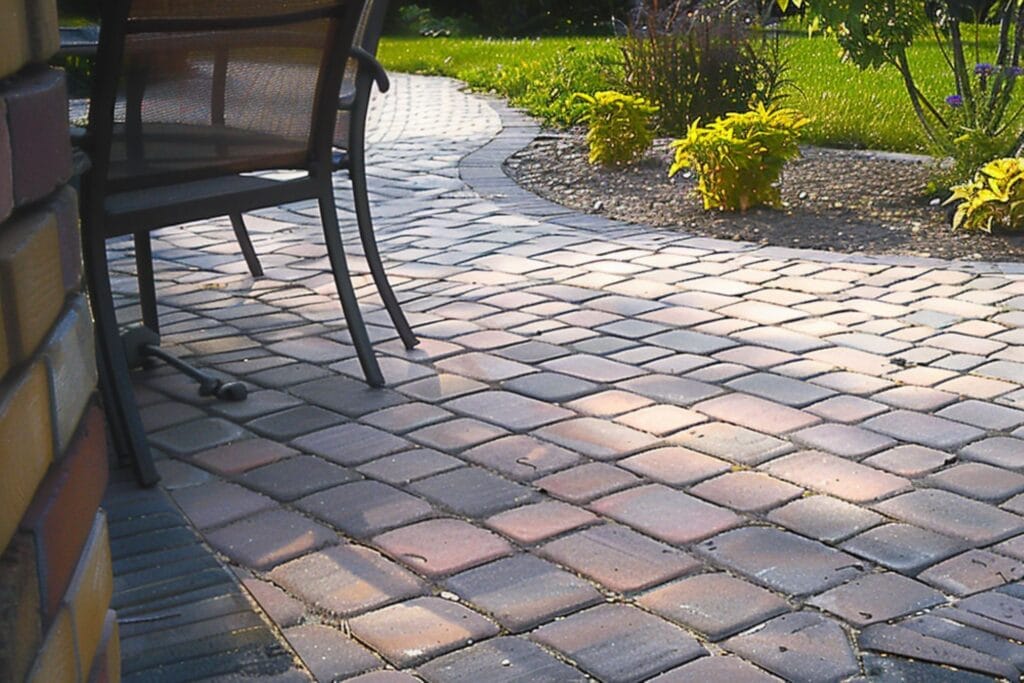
{"type": "Point", "coordinates": [618, 453]}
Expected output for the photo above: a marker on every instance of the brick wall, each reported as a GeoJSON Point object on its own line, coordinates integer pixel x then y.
{"type": "Point", "coordinates": [55, 569]}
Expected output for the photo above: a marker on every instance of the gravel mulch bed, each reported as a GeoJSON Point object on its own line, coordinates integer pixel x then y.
{"type": "Point", "coordinates": [834, 200]}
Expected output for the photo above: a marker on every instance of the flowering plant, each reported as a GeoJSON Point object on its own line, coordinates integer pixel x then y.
{"type": "Point", "coordinates": [993, 199]}
{"type": "Point", "coordinates": [979, 120]}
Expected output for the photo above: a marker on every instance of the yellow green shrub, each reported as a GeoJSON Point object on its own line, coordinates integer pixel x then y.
{"type": "Point", "coordinates": [739, 157]}
{"type": "Point", "coordinates": [619, 127]}
{"type": "Point", "coordinates": [993, 199]}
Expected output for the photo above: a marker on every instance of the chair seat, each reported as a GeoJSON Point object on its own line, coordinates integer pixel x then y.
{"type": "Point", "coordinates": [173, 153]}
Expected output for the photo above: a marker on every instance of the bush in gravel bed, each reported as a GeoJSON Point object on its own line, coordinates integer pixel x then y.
{"type": "Point", "coordinates": [739, 157]}
{"type": "Point", "coordinates": [993, 199]}
{"type": "Point", "coordinates": [619, 127]}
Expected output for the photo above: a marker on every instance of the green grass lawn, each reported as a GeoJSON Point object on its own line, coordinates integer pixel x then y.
{"type": "Point", "coordinates": [850, 107]}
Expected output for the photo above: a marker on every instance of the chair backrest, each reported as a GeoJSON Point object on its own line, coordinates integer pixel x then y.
{"type": "Point", "coordinates": [186, 89]}
{"type": "Point", "coordinates": [371, 25]}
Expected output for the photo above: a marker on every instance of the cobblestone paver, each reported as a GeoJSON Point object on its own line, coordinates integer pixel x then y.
{"type": "Point", "coordinates": [618, 453]}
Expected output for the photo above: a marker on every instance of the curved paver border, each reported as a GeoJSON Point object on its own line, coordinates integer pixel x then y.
{"type": "Point", "coordinates": [483, 171]}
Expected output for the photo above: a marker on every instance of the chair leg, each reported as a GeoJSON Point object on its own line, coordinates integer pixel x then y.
{"type": "Point", "coordinates": [339, 266]}
{"type": "Point", "coordinates": [357, 172]}
{"type": "Point", "coordinates": [144, 275]}
{"type": "Point", "coordinates": [122, 411]}
{"type": "Point", "coordinates": [242, 235]}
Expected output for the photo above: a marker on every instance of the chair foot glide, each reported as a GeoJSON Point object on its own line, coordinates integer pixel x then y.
{"type": "Point", "coordinates": [142, 344]}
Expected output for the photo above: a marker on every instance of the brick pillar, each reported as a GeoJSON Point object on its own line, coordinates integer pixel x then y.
{"type": "Point", "coordinates": [55, 569]}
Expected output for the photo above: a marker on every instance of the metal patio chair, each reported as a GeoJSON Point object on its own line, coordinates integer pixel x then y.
{"type": "Point", "coordinates": [362, 71]}
{"type": "Point", "coordinates": [190, 100]}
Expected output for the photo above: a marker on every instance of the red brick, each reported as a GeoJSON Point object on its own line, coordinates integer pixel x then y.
{"type": "Point", "coordinates": [21, 631]}
{"type": "Point", "coordinates": [746, 491]}
{"type": "Point", "coordinates": [37, 112]}
{"type": "Point", "coordinates": [442, 546]}
{"type": "Point", "coordinates": [26, 445]}
{"type": "Point", "coordinates": [347, 579]}
{"type": "Point", "coordinates": [60, 517]}
{"type": "Point", "coordinates": [609, 403]}
{"type": "Point", "coordinates": [410, 632]}
{"type": "Point", "coordinates": [32, 295]}
{"type": "Point", "coordinates": [283, 609]}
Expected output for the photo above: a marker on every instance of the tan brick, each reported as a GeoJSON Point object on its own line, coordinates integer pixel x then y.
{"type": "Point", "coordinates": [65, 206]}
{"type": "Point", "coordinates": [70, 358]}
{"type": "Point", "coordinates": [26, 444]}
{"type": "Point", "coordinates": [43, 36]}
{"type": "Point", "coordinates": [56, 662]}
{"type": "Point", "coordinates": [20, 628]}
{"type": "Point", "coordinates": [33, 296]}
{"type": "Point", "coordinates": [107, 667]}
{"type": "Point", "coordinates": [89, 594]}
{"type": "Point", "coordinates": [14, 52]}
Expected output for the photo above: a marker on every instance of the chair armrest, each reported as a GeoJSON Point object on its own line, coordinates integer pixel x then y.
{"type": "Point", "coordinates": [365, 59]}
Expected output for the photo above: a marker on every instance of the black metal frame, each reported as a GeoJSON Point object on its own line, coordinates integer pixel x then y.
{"type": "Point", "coordinates": [353, 160]}
{"type": "Point", "coordinates": [105, 214]}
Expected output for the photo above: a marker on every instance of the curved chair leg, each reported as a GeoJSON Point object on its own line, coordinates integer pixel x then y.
{"type": "Point", "coordinates": [357, 172]}
{"type": "Point", "coordinates": [144, 275]}
{"type": "Point", "coordinates": [242, 235]}
{"type": "Point", "coordinates": [120, 406]}
{"type": "Point", "coordinates": [336, 252]}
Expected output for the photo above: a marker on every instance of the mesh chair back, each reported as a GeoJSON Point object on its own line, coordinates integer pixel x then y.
{"type": "Point", "coordinates": [215, 87]}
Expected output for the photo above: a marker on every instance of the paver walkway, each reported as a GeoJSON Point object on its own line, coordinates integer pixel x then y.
{"type": "Point", "coordinates": [618, 453]}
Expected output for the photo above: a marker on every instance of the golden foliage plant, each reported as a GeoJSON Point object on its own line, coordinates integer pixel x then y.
{"type": "Point", "coordinates": [993, 199]}
{"type": "Point", "coordinates": [739, 157]}
{"type": "Point", "coordinates": [619, 127]}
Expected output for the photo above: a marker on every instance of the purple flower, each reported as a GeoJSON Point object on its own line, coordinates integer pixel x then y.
{"type": "Point", "coordinates": [983, 69]}
{"type": "Point", "coordinates": [954, 101]}
{"type": "Point", "coordinates": [1015, 70]}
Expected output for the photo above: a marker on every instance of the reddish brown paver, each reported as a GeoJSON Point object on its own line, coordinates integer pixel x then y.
{"type": "Point", "coordinates": [419, 629]}
{"type": "Point", "coordinates": [346, 580]}
{"type": "Point", "coordinates": [586, 397]}
{"type": "Point", "coordinates": [716, 605]}
{"type": "Point", "coordinates": [523, 591]}
{"type": "Point", "coordinates": [270, 538]}
{"type": "Point", "coordinates": [836, 476]}
{"type": "Point", "coordinates": [442, 546]}
{"type": "Point", "coordinates": [666, 514]}
{"type": "Point", "coordinates": [619, 643]}
{"type": "Point", "coordinates": [877, 597]}
{"type": "Point", "coordinates": [533, 523]}
{"type": "Point", "coordinates": [619, 558]}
